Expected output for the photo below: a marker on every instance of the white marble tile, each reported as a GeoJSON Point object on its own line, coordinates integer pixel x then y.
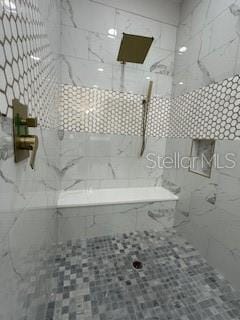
{"type": "Point", "coordinates": [181, 81]}
{"type": "Point", "coordinates": [134, 24]}
{"type": "Point", "coordinates": [207, 212]}
{"type": "Point", "coordinates": [125, 208]}
{"type": "Point", "coordinates": [130, 80]}
{"type": "Point", "coordinates": [156, 145]}
{"type": "Point", "coordinates": [216, 8]}
{"type": "Point", "coordinates": [206, 40]}
{"type": "Point", "coordinates": [145, 222]}
{"type": "Point", "coordinates": [100, 168]}
{"type": "Point", "coordinates": [188, 7]}
{"type": "Point", "coordinates": [193, 52]}
{"type": "Point", "coordinates": [160, 10]}
{"type": "Point", "coordinates": [225, 57]}
{"type": "Point", "coordinates": [199, 17]}
{"type": "Point", "coordinates": [168, 37]}
{"type": "Point", "coordinates": [127, 85]}
{"type": "Point", "coordinates": [156, 216]}
{"type": "Point", "coordinates": [73, 145]}
{"type": "Point", "coordinates": [40, 226]}
{"type": "Point", "coordinates": [223, 36]}
{"type": "Point", "coordinates": [75, 42]}
{"type": "Point", "coordinates": [125, 146]}
{"type": "Point", "coordinates": [78, 183]}
{"type": "Point", "coordinates": [223, 226]}
{"type": "Point", "coordinates": [237, 63]}
{"type": "Point", "coordinates": [98, 145]}
{"type": "Point", "coordinates": [199, 76]}
{"type": "Point", "coordinates": [88, 222]}
{"type": "Point", "coordinates": [72, 228]}
{"type": "Point", "coordinates": [196, 235]}
{"type": "Point", "coordinates": [159, 61]}
{"type": "Point", "coordinates": [88, 15]}
{"type": "Point", "coordinates": [228, 193]}
{"type": "Point", "coordinates": [228, 155]}
{"type": "Point", "coordinates": [137, 168]}
{"type": "Point", "coordinates": [163, 86]}
{"type": "Point", "coordinates": [184, 32]}
{"type": "Point", "coordinates": [142, 168]}
{"type": "Point", "coordinates": [92, 184]}
{"type": "Point", "coordinates": [119, 183]}
{"type": "Point", "coordinates": [28, 197]}
{"type": "Point", "coordinates": [75, 168]}
{"type": "Point", "coordinates": [225, 260]}
{"type": "Point", "coordinates": [124, 223]}
{"type": "Point", "coordinates": [102, 48]}
{"type": "Point", "coordinates": [75, 212]}
{"type": "Point", "coordinates": [98, 50]}
{"type": "Point", "coordinates": [55, 42]}
{"type": "Point", "coordinates": [50, 11]}
{"type": "Point", "coordinates": [99, 225]}
{"type": "Point", "coordinates": [119, 168]}
{"type": "Point", "coordinates": [138, 183]}
{"type": "Point", "coordinates": [85, 73]}
{"type": "Point", "coordinates": [212, 50]}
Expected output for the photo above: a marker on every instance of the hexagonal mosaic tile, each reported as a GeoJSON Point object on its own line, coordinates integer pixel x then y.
{"type": "Point", "coordinates": [212, 112]}
{"type": "Point", "coordinates": [27, 68]}
{"type": "Point", "coordinates": [106, 111]}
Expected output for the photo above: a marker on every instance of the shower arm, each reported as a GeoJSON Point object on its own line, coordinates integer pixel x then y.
{"type": "Point", "coordinates": [145, 103]}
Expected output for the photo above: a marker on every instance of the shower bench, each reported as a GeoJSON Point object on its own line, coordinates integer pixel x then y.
{"type": "Point", "coordinates": [98, 212]}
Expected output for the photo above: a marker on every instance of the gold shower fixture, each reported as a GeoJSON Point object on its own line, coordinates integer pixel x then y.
{"type": "Point", "coordinates": [134, 48]}
{"type": "Point", "coordinates": [23, 141]}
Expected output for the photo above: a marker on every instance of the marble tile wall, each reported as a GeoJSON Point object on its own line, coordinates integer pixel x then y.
{"type": "Point", "coordinates": [107, 161]}
{"type": "Point", "coordinates": [210, 30]}
{"type": "Point", "coordinates": [207, 213]}
{"type": "Point", "coordinates": [87, 45]}
{"type": "Point", "coordinates": [90, 222]}
{"type": "Point", "coordinates": [207, 210]}
{"type": "Point", "coordinates": [28, 224]}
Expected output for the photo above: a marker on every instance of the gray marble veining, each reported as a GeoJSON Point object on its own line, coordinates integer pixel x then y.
{"type": "Point", "coordinates": [105, 161]}
{"type": "Point", "coordinates": [212, 55]}
{"type": "Point", "coordinates": [96, 48]}
{"type": "Point", "coordinates": [28, 232]}
{"type": "Point", "coordinates": [70, 11]}
{"type": "Point", "coordinates": [207, 210]}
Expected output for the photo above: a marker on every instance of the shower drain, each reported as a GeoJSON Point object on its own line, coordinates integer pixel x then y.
{"type": "Point", "coordinates": [137, 265]}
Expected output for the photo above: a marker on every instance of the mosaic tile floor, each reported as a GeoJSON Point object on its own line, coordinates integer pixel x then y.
{"type": "Point", "coordinates": [94, 280]}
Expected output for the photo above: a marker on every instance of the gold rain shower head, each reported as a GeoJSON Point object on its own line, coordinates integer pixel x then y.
{"type": "Point", "coordinates": [134, 48]}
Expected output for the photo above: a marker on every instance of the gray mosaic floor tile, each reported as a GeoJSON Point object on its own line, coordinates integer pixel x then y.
{"type": "Point", "coordinates": [94, 280]}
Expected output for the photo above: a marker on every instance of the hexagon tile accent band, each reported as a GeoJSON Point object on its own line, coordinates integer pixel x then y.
{"type": "Point", "coordinates": [106, 111]}
{"type": "Point", "coordinates": [27, 67]}
{"type": "Point", "coordinates": [212, 112]}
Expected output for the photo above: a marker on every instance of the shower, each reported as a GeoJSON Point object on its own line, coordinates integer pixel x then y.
{"type": "Point", "coordinates": [145, 103]}
{"type": "Point", "coordinates": [134, 49]}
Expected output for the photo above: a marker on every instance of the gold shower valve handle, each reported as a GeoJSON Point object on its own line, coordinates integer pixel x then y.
{"type": "Point", "coordinates": [29, 142]}
{"type": "Point", "coordinates": [30, 122]}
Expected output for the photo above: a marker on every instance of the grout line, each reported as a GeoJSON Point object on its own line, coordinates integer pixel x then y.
{"type": "Point", "coordinates": [134, 13]}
